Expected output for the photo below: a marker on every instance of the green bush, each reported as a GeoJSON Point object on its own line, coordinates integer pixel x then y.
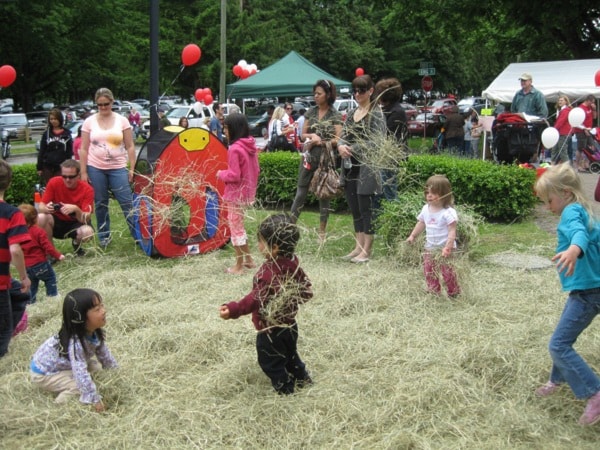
{"type": "Point", "coordinates": [398, 218]}
{"type": "Point", "coordinates": [497, 192]}
{"type": "Point", "coordinates": [278, 179]}
{"type": "Point", "coordinates": [22, 188]}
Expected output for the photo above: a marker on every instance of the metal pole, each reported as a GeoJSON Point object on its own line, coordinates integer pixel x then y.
{"type": "Point", "coordinates": [223, 50]}
{"type": "Point", "coordinates": [153, 65]}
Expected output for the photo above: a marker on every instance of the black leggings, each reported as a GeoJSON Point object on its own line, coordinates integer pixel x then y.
{"type": "Point", "coordinates": [301, 193]}
{"type": "Point", "coordinates": [361, 207]}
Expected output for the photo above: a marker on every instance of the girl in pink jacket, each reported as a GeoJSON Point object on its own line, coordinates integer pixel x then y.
{"type": "Point", "coordinates": [241, 179]}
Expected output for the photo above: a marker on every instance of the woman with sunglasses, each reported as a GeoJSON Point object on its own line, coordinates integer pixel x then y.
{"type": "Point", "coordinates": [321, 123]}
{"type": "Point", "coordinates": [363, 131]}
{"type": "Point", "coordinates": [106, 148]}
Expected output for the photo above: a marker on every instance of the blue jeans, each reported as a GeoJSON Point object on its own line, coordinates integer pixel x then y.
{"type": "Point", "coordinates": [567, 365]}
{"type": "Point", "coordinates": [117, 181]}
{"type": "Point", "coordinates": [42, 272]}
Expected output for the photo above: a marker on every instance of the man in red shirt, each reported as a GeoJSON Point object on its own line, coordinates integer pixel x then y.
{"type": "Point", "coordinates": [66, 208]}
{"type": "Point", "coordinates": [584, 138]}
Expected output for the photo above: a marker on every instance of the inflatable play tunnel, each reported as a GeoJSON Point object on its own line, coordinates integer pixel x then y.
{"type": "Point", "coordinates": [178, 201]}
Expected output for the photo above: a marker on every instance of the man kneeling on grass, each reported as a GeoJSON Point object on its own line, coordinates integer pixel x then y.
{"type": "Point", "coordinates": [66, 207]}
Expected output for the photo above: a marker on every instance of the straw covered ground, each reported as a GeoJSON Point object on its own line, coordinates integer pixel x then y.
{"type": "Point", "coordinates": [393, 367]}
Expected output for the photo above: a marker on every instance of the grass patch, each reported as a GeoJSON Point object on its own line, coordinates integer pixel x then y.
{"type": "Point", "coordinates": [393, 367]}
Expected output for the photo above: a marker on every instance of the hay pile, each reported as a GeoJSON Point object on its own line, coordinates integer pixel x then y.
{"type": "Point", "coordinates": [393, 367]}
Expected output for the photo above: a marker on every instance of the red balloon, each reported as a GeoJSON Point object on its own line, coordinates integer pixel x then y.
{"type": "Point", "coordinates": [596, 78]}
{"type": "Point", "coordinates": [190, 55]}
{"type": "Point", "coordinates": [245, 73]}
{"type": "Point", "coordinates": [237, 70]}
{"type": "Point", "coordinates": [208, 99]}
{"type": "Point", "coordinates": [206, 91]}
{"type": "Point", "coordinates": [253, 71]}
{"type": "Point", "coordinates": [199, 94]}
{"type": "Point", "coordinates": [359, 71]}
{"type": "Point", "coordinates": [8, 75]}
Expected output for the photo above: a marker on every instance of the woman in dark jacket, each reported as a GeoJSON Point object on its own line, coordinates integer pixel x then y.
{"type": "Point", "coordinates": [56, 146]}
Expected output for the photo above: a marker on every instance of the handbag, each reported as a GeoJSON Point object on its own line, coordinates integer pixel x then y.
{"type": "Point", "coordinates": [277, 141]}
{"type": "Point", "coordinates": [325, 183]}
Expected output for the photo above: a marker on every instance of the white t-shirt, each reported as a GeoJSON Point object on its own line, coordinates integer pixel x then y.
{"type": "Point", "coordinates": [107, 147]}
{"type": "Point", "coordinates": [436, 226]}
{"type": "Point", "coordinates": [279, 125]}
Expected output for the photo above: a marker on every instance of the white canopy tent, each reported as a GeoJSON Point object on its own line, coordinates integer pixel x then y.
{"type": "Point", "coordinates": [574, 79]}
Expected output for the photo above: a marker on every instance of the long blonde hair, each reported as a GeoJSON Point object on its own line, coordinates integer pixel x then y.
{"type": "Point", "coordinates": [278, 113]}
{"type": "Point", "coordinates": [559, 179]}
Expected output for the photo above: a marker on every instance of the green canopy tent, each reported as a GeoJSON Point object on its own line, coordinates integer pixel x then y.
{"type": "Point", "coordinates": [293, 75]}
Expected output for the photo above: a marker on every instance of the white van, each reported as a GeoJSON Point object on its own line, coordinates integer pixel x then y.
{"type": "Point", "coordinates": [195, 120]}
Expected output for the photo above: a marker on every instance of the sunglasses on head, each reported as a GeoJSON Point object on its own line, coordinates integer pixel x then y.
{"type": "Point", "coordinates": [69, 177]}
{"type": "Point", "coordinates": [360, 90]}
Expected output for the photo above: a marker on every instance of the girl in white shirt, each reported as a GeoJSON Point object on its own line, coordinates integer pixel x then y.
{"type": "Point", "coordinates": [438, 218]}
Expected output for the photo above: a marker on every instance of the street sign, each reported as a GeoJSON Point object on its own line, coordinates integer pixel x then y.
{"type": "Point", "coordinates": [427, 71]}
{"type": "Point", "coordinates": [427, 83]}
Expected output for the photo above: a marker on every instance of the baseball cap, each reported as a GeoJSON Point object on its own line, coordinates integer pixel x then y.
{"type": "Point", "coordinates": [525, 76]}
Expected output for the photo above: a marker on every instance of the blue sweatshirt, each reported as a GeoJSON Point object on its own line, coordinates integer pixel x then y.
{"type": "Point", "coordinates": [574, 228]}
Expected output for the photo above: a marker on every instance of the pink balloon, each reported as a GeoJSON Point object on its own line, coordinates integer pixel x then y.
{"type": "Point", "coordinates": [245, 73]}
{"type": "Point", "coordinates": [208, 99]}
{"type": "Point", "coordinates": [597, 78]}
{"type": "Point", "coordinates": [190, 55]}
{"type": "Point", "coordinates": [8, 75]}
{"type": "Point", "coordinates": [359, 71]}
{"type": "Point", "coordinates": [199, 94]}
{"type": "Point", "coordinates": [237, 70]}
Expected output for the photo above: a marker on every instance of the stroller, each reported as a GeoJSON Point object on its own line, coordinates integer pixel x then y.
{"type": "Point", "coordinates": [515, 139]}
{"type": "Point", "coordinates": [592, 153]}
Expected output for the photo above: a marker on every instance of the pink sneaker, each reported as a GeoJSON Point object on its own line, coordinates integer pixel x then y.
{"type": "Point", "coordinates": [547, 389]}
{"type": "Point", "coordinates": [591, 413]}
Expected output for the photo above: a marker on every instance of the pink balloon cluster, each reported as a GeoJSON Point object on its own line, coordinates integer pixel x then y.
{"type": "Point", "coordinates": [8, 75]}
{"type": "Point", "coordinates": [244, 70]}
{"type": "Point", "coordinates": [204, 95]}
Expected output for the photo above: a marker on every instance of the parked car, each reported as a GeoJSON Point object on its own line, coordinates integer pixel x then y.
{"type": "Point", "coordinates": [177, 112]}
{"type": "Point", "coordinates": [37, 121]}
{"type": "Point", "coordinates": [411, 110]}
{"type": "Point", "coordinates": [15, 123]}
{"type": "Point", "coordinates": [441, 106]}
{"type": "Point", "coordinates": [142, 102]}
{"type": "Point", "coordinates": [468, 103]}
{"type": "Point", "coordinates": [432, 123]}
{"type": "Point", "coordinates": [344, 105]}
{"type": "Point", "coordinates": [258, 124]}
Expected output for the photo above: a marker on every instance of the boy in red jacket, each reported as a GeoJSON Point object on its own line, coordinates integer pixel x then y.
{"type": "Point", "coordinates": [279, 286]}
{"type": "Point", "coordinates": [36, 252]}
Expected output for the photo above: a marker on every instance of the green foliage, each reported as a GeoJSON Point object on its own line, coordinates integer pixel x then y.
{"type": "Point", "coordinates": [398, 218]}
{"type": "Point", "coordinates": [497, 192]}
{"type": "Point", "coordinates": [278, 176]}
{"type": "Point", "coordinates": [23, 184]}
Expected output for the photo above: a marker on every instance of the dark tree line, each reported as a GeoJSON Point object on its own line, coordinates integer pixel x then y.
{"type": "Point", "coordinates": [64, 50]}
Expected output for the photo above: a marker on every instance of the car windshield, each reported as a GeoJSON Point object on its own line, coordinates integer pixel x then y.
{"type": "Point", "coordinates": [466, 102]}
{"type": "Point", "coordinates": [421, 117]}
{"type": "Point", "coordinates": [436, 103]}
{"type": "Point", "coordinates": [19, 119]}
{"type": "Point", "coordinates": [176, 113]}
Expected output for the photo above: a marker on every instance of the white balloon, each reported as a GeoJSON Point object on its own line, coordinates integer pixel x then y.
{"type": "Point", "coordinates": [197, 107]}
{"type": "Point", "coordinates": [252, 67]}
{"type": "Point", "coordinates": [550, 137]}
{"type": "Point", "coordinates": [242, 63]}
{"type": "Point", "coordinates": [576, 117]}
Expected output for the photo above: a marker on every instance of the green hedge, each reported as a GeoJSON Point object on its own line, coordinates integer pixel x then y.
{"type": "Point", "coordinates": [22, 188]}
{"type": "Point", "coordinates": [278, 178]}
{"type": "Point", "coordinates": [496, 192]}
